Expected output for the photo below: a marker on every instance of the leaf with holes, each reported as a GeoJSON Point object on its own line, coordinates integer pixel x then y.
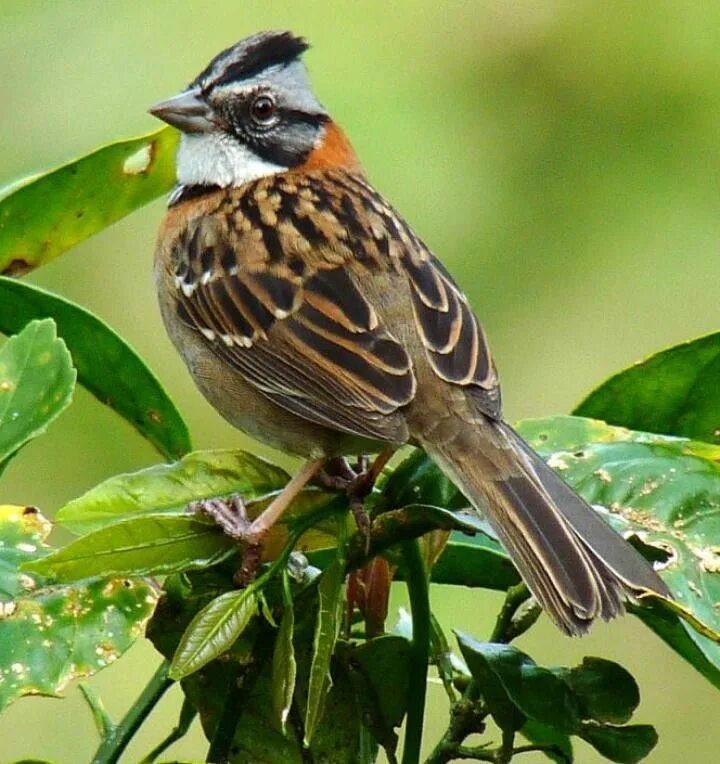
{"type": "Point", "coordinates": [52, 635]}
{"type": "Point", "coordinates": [664, 493]}
{"type": "Point", "coordinates": [674, 392]}
{"type": "Point", "coordinates": [46, 214]}
{"type": "Point", "coordinates": [106, 365]}
{"type": "Point", "coordinates": [36, 384]}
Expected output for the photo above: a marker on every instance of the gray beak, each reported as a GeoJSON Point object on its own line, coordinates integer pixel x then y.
{"type": "Point", "coordinates": [188, 111]}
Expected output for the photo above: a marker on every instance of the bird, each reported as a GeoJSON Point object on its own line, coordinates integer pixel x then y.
{"type": "Point", "coordinates": [312, 317]}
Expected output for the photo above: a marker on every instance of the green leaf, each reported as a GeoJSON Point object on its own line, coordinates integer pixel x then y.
{"type": "Point", "coordinates": [284, 666]}
{"type": "Point", "coordinates": [199, 475]}
{"type": "Point", "coordinates": [36, 384]}
{"type": "Point", "coordinates": [235, 692]}
{"type": "Point", "coordinates": [327, 627]}
{"type": "Point", "coordinates": [379, 670]}
{"type": "Point", "coordinates": [44, 215]}
{"type": "Point", "coordinates": [385, 663]}
{"type": "Point", "coordinates": [663, 492]}
{"type": "Point", "coordinates": [477, 561]}
{"type": "Point", "coordinates": [417, 480]}
{"type": "Point", "coordinates": [106, 365]}
{"type": "Point", "coordinates": [52, 635]}
{"type": "Point", "coordinates": [606, 691]}
{"type": "Point", "coordinates": [512, 675]}
{"type": "Point", "coordinates": [542, 734]}
{"type": "Point", "coordinates": [625, 745]}
{"type": "Point", "coordinates": [674, 392]}
{"type": "Point", "coordinates": [213, 631]}
{"type": "Point", "coordinates": [142, 546]}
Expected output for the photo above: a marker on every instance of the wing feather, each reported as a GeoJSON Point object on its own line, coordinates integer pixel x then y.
{"type": "Point", "coordinates": [305, 337]}
{"type": "Point", "coordinates": [274, 282]}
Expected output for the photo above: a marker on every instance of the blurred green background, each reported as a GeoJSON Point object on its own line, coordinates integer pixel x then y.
{"type": "Point", "coordinates": [562, 159]}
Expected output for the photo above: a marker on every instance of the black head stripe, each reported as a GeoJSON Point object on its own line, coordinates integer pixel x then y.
{"type": "Point", "coordinates": [250, 56]}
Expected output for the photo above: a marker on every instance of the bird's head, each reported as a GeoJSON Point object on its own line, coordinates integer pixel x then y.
{"type": "Point", "coordinates": [250, 113]}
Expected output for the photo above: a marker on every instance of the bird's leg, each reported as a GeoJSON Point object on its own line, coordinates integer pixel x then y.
{"type": "Point", "coordinates": [367, 476]}
{"type": "Point", "coordinates": [231, 516]}
{"type": "Point", "coordinates": [338, 475]}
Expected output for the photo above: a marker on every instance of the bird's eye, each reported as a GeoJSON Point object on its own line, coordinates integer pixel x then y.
{"type": "Point", "coordinates": [262, 110]}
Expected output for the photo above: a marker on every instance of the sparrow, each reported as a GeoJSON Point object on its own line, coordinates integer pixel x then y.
{"type": "Point", "coordinates": [312, 317]}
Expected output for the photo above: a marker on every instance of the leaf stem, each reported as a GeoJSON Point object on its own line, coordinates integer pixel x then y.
{"type": "Point", "coordinates": [441, 656]}
{"type": "Point", "coordinates": [188, 712]}
{"type": "Point", "coordinates": [506, 629]}
{"type": "Point", "coordinates": [112, 746]}
{"type": "Point", "coordinates": [103, 722]}
{"type": "Point", "coordinates": [549, 748]}
{"type": "Point", "coordinates": [224, 733]}
{"type": "Point", "coordinates": [418, 592]}
{"type": "Point", "coordinates": [466, 717]}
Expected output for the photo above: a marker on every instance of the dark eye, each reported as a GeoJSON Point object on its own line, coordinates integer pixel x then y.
{"type": "Point", "coordinates": [262, 110]}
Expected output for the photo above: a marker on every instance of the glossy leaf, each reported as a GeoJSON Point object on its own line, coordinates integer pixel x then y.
{"type": "Point", "coordinates": [52, 635]}
{"type": "Point", "coordinates": [327, 627]}
{"type": "Point", "coordinates": [380, 670]}
{"type": "Point", "coordinates": [426, 495]}
{"type": "Point", "coordinates": [36, 384]}
{"type": "Point", "coordinates": [213, 631]}
{"type": "Point", "coordinates": [606, 691]}
{"type": "Point", "coordinates": [533, 690]}
{"type": "Point", "coordinates": [477, 561]}
{"type": "Point", "coordinates": [284, 666]}
{"type": "Point", "coordinates": [665, 492]}
{"type": "Point", "coordinates": [542, 734]}
{"type": "Point", "coordinates": [141, 546]}
{"type": "Point", "coordinates": [235, 692]}
{"type": "Point", "coordinates": [674, 392]}
{"type": "Point", "coordinates": [417, 480]}
{"type": "Point", "coordinates": [106, 365]}
{"type": "Point", "coordinates": [199, 475]}
{"type": "Point", "coordinates": [548, 705]}
{"type": "Point", "coordinates": [46, 214]}
{"type": "Point", "coordinates": [626, 745]}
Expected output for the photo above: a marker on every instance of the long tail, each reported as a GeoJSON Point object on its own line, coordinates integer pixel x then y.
{"type": "Point", "coordinates": [575, 564]}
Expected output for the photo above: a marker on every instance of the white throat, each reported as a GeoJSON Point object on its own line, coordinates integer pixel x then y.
{"type": "Point", "coordinates": [216, 159]}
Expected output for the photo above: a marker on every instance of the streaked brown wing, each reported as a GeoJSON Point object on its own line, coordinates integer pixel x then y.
{"type": "Point", "coordinates": [302, 334]}
{"type": "Point", "coordinates": [453, 338]}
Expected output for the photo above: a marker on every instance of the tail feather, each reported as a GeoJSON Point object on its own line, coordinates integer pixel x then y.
{"type": "Point", "coordinates": [575, 564]}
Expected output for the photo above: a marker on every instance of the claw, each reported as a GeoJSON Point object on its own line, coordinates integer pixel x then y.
{"type": "Point", "coordinates": [338, 475]}
{"type": "Point", "coordinates": [230, 515]}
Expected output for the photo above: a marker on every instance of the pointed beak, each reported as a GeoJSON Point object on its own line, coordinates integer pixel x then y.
{"type": "Point", "coordinates": [188, 111]}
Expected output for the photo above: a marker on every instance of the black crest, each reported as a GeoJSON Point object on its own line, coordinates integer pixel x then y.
{"type": "Point", "coordinates": [251, 56]}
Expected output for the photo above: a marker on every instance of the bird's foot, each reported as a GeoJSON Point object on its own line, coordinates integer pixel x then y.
{"type": "Point", "coordinates": [230, 515]}
{"type": "Point", "coordinates": [356, 481]}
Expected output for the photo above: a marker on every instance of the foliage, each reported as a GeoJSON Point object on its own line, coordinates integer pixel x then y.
{"type": "Point", "coordinates": [674, 391]}
{"type": "Point", "coordinates": [283, 665]}
{"type": "Point", "coordinates": [44, 215]}
{"type": "Point", "coordinates": [105, 364]}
